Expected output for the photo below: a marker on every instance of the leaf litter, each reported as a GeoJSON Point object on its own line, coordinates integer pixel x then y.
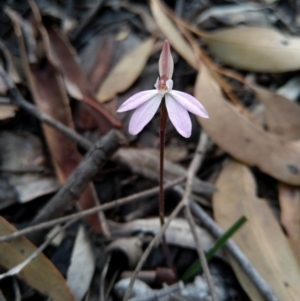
{"type": "Point", "coordinates": [80, 79]}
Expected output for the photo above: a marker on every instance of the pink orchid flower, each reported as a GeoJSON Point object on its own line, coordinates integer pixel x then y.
{"type": "Point", "coordinates": [177, 103]}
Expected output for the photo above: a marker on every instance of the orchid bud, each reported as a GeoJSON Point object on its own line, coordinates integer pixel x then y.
{"type": "Point", "coordinates": [166, 63]}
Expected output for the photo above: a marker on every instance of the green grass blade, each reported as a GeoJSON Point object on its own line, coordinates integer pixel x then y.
{"type": "Point", "coordinates": [196, 266]}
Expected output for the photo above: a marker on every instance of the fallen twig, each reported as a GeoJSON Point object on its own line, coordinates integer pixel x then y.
{"type": "Point", "coordinates": [80, 177]}
{"type": "Point", "coordinates": [193, 168]}
{"type": "Point", "coordinates": [82, 214]}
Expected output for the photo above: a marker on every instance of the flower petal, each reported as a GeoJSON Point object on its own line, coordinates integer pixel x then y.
{"type": "Point", "coordinates": [136, 100]}
{"type": "Point", "coordinates": [179, 116]}
{"type": "Point", "coordinates": [189, 102]}
{"type": "Point", "coordinates": [143, 114]}
{"type": "Point", "coordinates": [166, 63]}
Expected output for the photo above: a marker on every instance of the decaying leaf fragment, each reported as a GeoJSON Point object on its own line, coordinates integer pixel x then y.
{"type": "Point", "coordinates": [82, 267]}
{"type": "Point", "coordinates": [261, 239]}
{"type": "Point", "coordinates": [126, 71]}
{"type": "Point", "coordinates": [242, 139]}
{"type": "Point", "coordinates": [258, 49]}
{"type": "Point", "coordinates": [41, 274]}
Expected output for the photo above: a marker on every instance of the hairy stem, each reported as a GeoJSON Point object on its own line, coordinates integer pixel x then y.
{"type": "Point", "coordinates": [163, 121]}
{"type": "Point", "coordinates": [161, 199]}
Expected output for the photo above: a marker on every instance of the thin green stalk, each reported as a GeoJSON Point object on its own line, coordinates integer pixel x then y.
{"type": "Point", "coordinates": [196, 266]}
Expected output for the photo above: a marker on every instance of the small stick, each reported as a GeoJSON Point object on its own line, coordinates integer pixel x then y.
{"type": "Point", "coordinates": [80, 178]}
{"type": "Point", "coordinates": [193, 168]}
{"type": "Point", "coordinates": [82, 214]}
{"type": "Point", "coordinates": [102, 278]}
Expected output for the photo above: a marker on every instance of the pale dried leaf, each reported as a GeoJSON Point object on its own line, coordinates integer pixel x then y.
{"type": "Point", "coordinates": [258, 49]}
{"type": "Point", "coordinates": [145, 162]}
{"type": "Point", "coordinates": [7, 111]}
{"type": "Point", "coordinates": [289, 199]}
{"type": "Point", "coordinates": [245, 141]}
{"type": "Point", "coordinates": [282, 116]}
{"type": "Point", "coordinates": [25, 151]}
{"type": "Point", "coordinates": [178, 233]}
{"type": "Point", "coordinates": [173, 34]}
{"type": "Point", "coordinates": [234, 14]}
{"type": "Point", "coordinates": [82, 267]}
{"type": "Point", "coordinates": [261, 239]}
{"type": "Point", "coordinates": [126, 71]}
{"type": "Point", "coordinates": [40, 273]}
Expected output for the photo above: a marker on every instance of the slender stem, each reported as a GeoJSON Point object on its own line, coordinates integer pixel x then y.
{"type": "Point", "coordinates": [163, 121]}
{"type": "Point", "coordinates": [161, 199]}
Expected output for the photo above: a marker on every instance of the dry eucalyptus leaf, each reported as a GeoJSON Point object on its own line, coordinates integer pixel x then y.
{"type": "Point", "coordinates": [233, 14]}
{"type": "Point", "coordinates": [178, 232]}
{"type": "Point", "coordinates": [289, 199]}
{"type": "Point", "coordinates": [258, 49]}
{"type": "Point", "coordinates": [126, 71]}
{"type": "Point", "coordinates": [172, 153]}
{"type": "Point", "coordinates": [173, 34]}
{"type": "Point", "coordinates": [282, 116]}
{"type": "Point", "coordinates": [82, 267]}
{"type": "Point", "coordinates": [261, 239]}
{"type": "Point", "coordinates": [145, 162]}
{"type": "Point", "coordinates": [245, 141]}
{"type": "Point", "coordinates": [25, 151]}
{"type": "Point", "coordinates": [40, 273]}
{"type": "Point", "coordinates": [64, 57]}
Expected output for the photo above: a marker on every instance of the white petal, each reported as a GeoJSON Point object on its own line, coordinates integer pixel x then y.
{"type": "Point", "coordinates": [143, 114]}
{"type": "Point", "coordinates": [169, 84]}
{"type": "Point", "coordinates": [179, 116]}
{"type": "Point", "coordinates": [136, 100]}
{"type": "Point", "coordinates": [189, 102]}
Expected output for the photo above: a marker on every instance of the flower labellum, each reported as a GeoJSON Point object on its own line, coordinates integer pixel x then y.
{"type": "Point", "coordinates": [178, 103]}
